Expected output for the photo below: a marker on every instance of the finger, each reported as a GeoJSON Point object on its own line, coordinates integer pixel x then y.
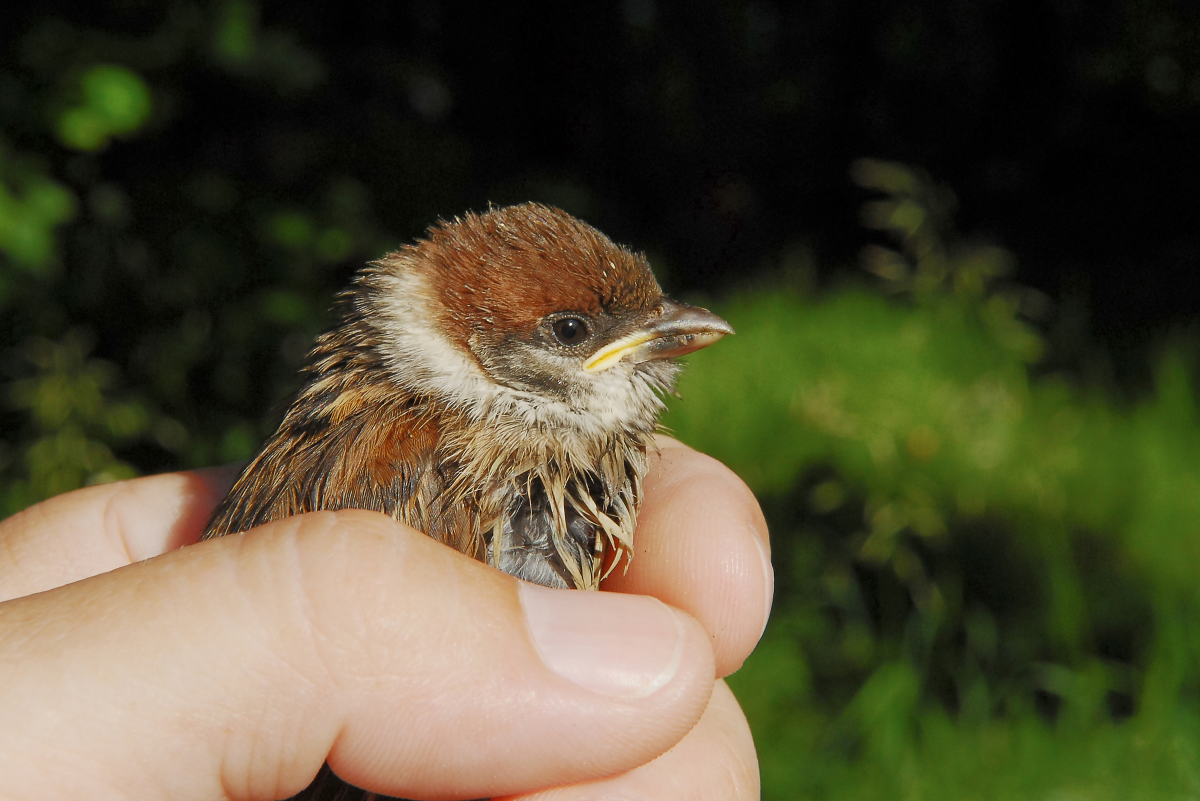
{"type": "Point", "coordinates": [235, 667]}
{"type": "Point", "coordinates": [715, 761]}
{"type": "Point", "coordinates": [93, 530]}
{"type": "Point", "coordinates": [702, 545]}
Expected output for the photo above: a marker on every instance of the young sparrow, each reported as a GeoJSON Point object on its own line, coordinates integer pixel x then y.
{"type": "Point", "coordinates": [496, 386]}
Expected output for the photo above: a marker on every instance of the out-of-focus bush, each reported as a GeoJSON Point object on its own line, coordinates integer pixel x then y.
{"type": "Point", "coordinates": [987, 581]}
{"type": "Point", "coordinates": [150, 314]}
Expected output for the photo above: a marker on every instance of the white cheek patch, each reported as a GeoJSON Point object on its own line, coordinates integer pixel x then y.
{"type": "Point", "coordinates": [417, 353]}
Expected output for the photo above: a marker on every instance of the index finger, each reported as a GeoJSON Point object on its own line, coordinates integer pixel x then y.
{"type": "Point", "coordinates": [702, 545]}
{"type": "Point", "coordinates": [98, 529]}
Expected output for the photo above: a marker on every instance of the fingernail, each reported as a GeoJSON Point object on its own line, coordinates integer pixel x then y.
{"type": "Point", "coordinates": [768, 581]}
{"type": "Point", "coordinates": [620, 645]}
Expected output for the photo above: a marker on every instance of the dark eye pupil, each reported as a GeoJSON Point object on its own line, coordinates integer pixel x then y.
{"type": "Point", "coordinates": [570, 331]}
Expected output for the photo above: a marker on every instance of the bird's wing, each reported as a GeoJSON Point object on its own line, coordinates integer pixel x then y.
{"type": "Point", "coordinates": [351, 456]}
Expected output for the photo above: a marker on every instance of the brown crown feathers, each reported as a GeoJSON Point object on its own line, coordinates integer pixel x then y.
{"type": "Point", "coordinates": [495, 385]}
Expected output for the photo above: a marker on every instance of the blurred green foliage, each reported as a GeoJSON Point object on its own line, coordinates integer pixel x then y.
{"type": "Point", "coordinates": [987, 581]}
{"type": "Point", "coordinates": [113, 100]}
{"type": "Point", "coordinates": [32, 205]}
{"type": "Point", "coordinates": [149, 323]}
{"type": "Point", "coordinates": [73, 421]}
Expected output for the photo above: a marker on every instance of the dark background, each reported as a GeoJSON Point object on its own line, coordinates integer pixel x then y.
{"type": "Point", "coordinates": [716, 135]}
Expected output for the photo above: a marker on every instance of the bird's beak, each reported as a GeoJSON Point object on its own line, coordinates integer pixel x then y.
{"type": "Point", "coordinates": [676, 330]}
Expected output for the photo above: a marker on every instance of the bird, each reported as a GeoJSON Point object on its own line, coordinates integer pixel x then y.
{"type": "Point", "coordinates": [496, 385]}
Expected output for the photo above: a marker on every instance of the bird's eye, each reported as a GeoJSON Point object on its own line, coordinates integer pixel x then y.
{"type": "Point", "coordinates": [570, 330]}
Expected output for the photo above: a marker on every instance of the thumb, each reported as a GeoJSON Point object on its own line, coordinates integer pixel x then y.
{"type": "Point", "coordinates": [235, 667]}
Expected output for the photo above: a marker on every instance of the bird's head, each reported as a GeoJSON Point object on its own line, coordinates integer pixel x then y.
{"type": "Point", "coordinates": [529, 310]}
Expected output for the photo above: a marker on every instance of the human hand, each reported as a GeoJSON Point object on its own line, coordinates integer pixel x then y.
{"type": "Point", "coordinates": [235, 667]}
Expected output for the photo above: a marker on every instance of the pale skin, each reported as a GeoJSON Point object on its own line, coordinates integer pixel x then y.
{"type": "Point", "coordinates": [138, 663]}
